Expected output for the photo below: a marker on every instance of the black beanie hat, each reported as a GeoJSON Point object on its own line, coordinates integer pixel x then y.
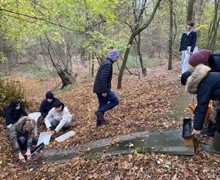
{"type": "Point", "coordinates": [49, 95]}
{"type": "Point", "coordinates": [184, 77]}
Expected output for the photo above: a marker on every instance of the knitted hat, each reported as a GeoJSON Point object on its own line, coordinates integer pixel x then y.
{"type": "Point", "coordinates": [190, 24]}
{"type": "Point", "coordinates": [49, 95]}
{"type": "Point", "coordinates": [200, 57]}
{"type": "Point", "coordinates": [113, 54]}
{"type": "Point", "coordinates": [184, 77]}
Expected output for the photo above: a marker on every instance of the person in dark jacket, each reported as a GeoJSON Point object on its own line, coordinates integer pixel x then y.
{"type": "Point", "coordinates": [206, 85]}
{"type": "Point", "coordinates": [102, 86]}
{"type": "Point", "coordinates": [47, 104]}
{"type": "Point", "coordinates": [13, 112]}
{"type": "Point", "coordinates": [187, 46]}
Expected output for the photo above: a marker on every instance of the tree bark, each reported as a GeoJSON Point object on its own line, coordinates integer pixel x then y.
{"type": "Point", "coordinates": [170, 48]}
{"type": "Point", "coordinates": [190, 11]}
{"type": "Point", "coordinates": [135, 31]}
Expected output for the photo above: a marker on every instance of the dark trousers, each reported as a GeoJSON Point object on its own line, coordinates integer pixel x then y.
{"type": "Point", "coordinates": [22, 141]}
{"type": "Point", "coordinates": [217, 119]}
{"type": "Point", "coordinates": [108, 102]}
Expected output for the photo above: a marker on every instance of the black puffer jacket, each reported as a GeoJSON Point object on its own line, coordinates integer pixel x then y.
{"type": "Point", "coordinates": [206, 85]}
{"type": "Point", "coordinates": [188, 40]}
{"type": "Point", "coordinates": [103, 77]}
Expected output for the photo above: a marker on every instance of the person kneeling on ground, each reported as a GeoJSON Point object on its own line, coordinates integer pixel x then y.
{"type": "Point", "coordinates": [21, 137]}
{"type": "Point", "coordinates": [206, 85]}
{"type": "Point", "coordinates": [47, 104]}
{"type": "Point", "coordinates": [58, 117]}
{"type": "Point", "coordinates": [13, 112]}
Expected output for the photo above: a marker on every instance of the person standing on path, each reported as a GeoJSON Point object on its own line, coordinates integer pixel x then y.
{"type": "Point", "coordinates": [102, 86]}
{"type": "Point", "coordinates": [187, 46]}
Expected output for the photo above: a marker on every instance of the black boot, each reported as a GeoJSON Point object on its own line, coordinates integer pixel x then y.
{"type": "Point", "coordinates": [100, 118]}
{"type": "Point", "coordinates": [215, 146]}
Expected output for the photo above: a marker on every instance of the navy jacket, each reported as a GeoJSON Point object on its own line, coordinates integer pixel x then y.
{"type": "Point", "coordinates": [45, 106]}
{"type": "Point", "coordinates": [206, 85]}
{"type": "Point", "coordinates": [103, 77]}
{"type": "Point", "coordinates": [12, 115]}
{"type": "Point", "coordinates": [188, 40]}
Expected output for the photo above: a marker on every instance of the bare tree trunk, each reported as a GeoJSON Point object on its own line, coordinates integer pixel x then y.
{"type": "Point", "coordinates": [214, 26]}
{"type": "Point", "coordinates": [170, 36]}
{"type": "Point", "coordinates": [138, 42]}
{"type": "Point", "coordinates": [136, 29]}
{"type": "Point", "coordinates": [190, 11]}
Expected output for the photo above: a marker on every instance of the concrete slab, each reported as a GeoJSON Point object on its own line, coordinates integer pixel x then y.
{"type": "Point", "coordinates": [65, 136]}
{"type": "Point", "coordinates": [165, 141]}
{"type": "Point", "coordinates": [168, 141]}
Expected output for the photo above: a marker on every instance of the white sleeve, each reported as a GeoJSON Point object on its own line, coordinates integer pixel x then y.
{"type": "Point", "coordinates": [47, 118]}
{"type": "Point", "coordinates": [63, 121]}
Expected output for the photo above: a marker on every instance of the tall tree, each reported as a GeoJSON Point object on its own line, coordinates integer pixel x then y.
{"type": "Point", "coordinates": [214, 27]}
{"type": "Point", "coordinates": [136, 29]}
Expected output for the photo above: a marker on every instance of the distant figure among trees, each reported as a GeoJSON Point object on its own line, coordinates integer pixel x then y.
{"type": "Point", "coordinates": [102, 86]}
{"type": "Point", "coordinates": [187, 46]}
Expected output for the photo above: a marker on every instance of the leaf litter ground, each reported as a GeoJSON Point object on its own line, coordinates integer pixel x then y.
{"type": "Point", "coordinates": [145, 104]}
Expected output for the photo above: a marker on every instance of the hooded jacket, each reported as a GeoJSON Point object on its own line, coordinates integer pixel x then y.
{"type": "Point", "coordinates": [46, 106]}
{"type": "Point", "coordinates": [206, 85]}
{"type": "Point", "coordinates": [12, 114]}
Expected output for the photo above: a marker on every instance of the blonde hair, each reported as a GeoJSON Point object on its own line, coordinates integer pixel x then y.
{"type": "Point", "coordinates": [29, 125]}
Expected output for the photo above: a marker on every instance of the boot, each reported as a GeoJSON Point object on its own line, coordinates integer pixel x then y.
{"type": "Point", "coordinates": [215, 146]}
{"type": "Point", "coordinates": [100, 118]}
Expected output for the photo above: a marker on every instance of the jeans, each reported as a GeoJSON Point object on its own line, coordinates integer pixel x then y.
{"type": "Point", "coordinates": [55, 122]}
{"type": "Point", "coordinates": [108, 102]}
{"type": "Point", "coordinates": [22, 141]}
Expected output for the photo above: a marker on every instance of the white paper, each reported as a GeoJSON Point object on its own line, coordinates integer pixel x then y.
{"type": "Point", "coordinates": [44, 138]}
{"type": "Point", "coordinates": [65, 136]}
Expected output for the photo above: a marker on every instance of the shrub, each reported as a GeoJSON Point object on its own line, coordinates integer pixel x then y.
{"type": "Point", "coordinates": [10, 90]}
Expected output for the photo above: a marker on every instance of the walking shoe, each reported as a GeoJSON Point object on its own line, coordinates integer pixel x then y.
{"type": "Point", "coordinates": [100, 115]}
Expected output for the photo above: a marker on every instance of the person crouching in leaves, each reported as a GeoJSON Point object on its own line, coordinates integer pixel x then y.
{"type": "Point", "coordinates": [58, 117]}
{"type": "Point", "coordinates": [21, 137]}
{"type": "Point", "coordinates": [102, 87]}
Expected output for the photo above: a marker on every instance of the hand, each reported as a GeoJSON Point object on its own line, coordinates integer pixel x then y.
{"type": "Point", "coordinates": [49, 130]}
{"type": "Point", "coordinates": [104, 94]}
{"type": "Point", "coordinates": [28, 154]}
{"type": "Point", "coordinates": [196, 132]}
{"type": "Point", "coordinates": [21, 158]}
{"type": "Point", "coordinates": [52, 133]}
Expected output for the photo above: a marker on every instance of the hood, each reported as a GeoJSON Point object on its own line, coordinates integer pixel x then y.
{"type": "Point", "coordinates": [197, 76]}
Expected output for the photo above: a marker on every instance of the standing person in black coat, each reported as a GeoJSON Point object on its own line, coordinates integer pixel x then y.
{"type": "Point", "coordinates": [206, 85]}
{"type": "Point", "coordinates": [47, 104]}
{"type": "Point", "coordinates": [187, 46]}
{"type": "Point", "coordinates": [102, 86]}
{"type": "Point", "coordinates": [13, 112]}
